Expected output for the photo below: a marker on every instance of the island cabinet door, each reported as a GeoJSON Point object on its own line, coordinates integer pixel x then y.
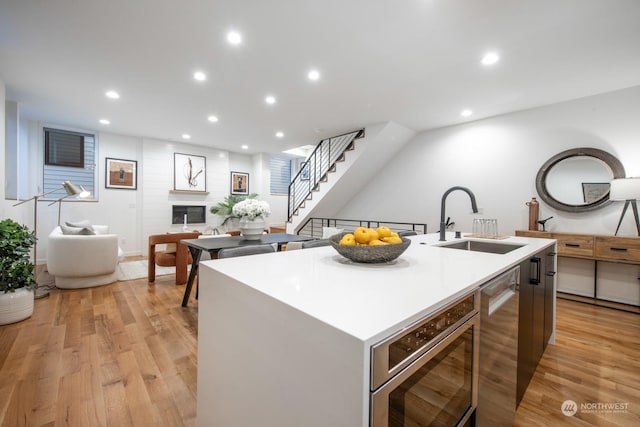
{"type": "Point", "coordinates": [535, 319]}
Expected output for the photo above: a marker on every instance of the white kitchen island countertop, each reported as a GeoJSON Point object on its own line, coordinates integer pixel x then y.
{"type": "Point", "coordinates": [368, 301]}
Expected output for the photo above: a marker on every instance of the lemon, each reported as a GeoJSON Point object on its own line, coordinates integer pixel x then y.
{"type": "Point", "coordinates": [392, 239]}
{"type": "Point", "coordinates": [383, 232]}
{"type": "Point", "coordinates": [377, 242]}
{"type": "Point", "coordinates": [362, 235]}
{"type": "Point", "coordinates": [348, 240]}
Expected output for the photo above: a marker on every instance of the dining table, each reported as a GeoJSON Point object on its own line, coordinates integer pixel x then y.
{"type": "Point", "coordinates": [213, 244]}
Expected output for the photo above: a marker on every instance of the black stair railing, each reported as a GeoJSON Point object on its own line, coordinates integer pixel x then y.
{"type": "Point", "coordinates": [318, 164]}
{"type": "Point", "coordinates": [314, 227]}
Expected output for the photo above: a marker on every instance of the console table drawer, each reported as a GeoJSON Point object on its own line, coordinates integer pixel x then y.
{"type": "Point", "coordinates": [618, 248]}
{"type": "Point", "coordinates": [574, 244]}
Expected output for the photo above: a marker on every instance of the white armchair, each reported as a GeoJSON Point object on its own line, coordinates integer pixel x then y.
{"type": "Point", "coordinates": [83, 261]}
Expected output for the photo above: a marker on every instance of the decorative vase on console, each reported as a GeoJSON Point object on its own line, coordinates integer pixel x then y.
{"type": "Point", "coordinates": [252, 214]}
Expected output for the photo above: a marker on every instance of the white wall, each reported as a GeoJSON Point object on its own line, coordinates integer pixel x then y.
{"type": "Point", "coordinates": [133, 215]}
{"type": "Point", "coordinates": [3, 203]}
{"type": "Point", "coordinates": [158, 181]}
{"type": "Point", "coordinates": [261, 165]}
{"type": "Point", "coordinates": [498, 159]}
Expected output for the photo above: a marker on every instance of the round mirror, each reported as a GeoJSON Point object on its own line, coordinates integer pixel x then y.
{"type": "Point", "coordinates": [578, 180]}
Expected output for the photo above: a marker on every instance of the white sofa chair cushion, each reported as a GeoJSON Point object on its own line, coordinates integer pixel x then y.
{"type": "Point", "coordinates": [81, 261]}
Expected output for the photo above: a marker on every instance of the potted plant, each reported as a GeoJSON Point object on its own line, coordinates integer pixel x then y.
{"type": "Point", "coordinates": [252, 214]}
{"type": "Point", "coordinates": [225, 208]}
{"type": "Point", "coordinates": [17, 278]}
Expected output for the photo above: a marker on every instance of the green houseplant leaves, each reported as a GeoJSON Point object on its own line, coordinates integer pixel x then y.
{"type": "Point", "coordinates": [225, 208]}
{"type": "Point", "coordinates": [16, 268]}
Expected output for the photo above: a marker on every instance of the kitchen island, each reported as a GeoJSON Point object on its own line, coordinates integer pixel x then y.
{"type": "Point", "coordinates": [284, 339]}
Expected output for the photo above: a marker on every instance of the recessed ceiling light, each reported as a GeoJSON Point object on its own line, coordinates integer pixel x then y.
{"type": "Point", "coordinates": [279, 134]}
{"type": "Point", "coordinates": [212, 119]}
{"type": "Point", "coordinates": [105, 122]}
{"type": "Point", "coordinates": [466, 113]}
{"type": "Point", "coordinates": [234, 37]}
{"type": "Point", "coordinates": [313, 75]}
{"type": "Point", "coordinates": [245, 147]}
{"type": "Point", "coordinates": [186, 136]}
{"type": "Point", "coordinates": [200, 76]}
{"type": "Point", "coordinates": [270, 100]}
{"type": "Point", "coordinates": [490, 58]}
{"type": "Point", "coordinates": [112, 94]}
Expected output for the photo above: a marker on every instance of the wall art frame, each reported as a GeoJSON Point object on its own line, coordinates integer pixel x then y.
{"type": "Point", "coordinates": [189, 172]}
{"type": "Point", "coordinates": [121, 174]}
{"type": "Point", "coordinates": [304, 171]}
{"type": "Point", "coordinates": [240, 183]}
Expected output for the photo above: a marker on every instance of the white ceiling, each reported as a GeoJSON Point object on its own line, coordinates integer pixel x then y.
{"type": "Point", "coordinates": [415, 62]}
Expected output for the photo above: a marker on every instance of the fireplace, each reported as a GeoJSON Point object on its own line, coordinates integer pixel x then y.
{"type": "Point", "coordinates": [195, 214]}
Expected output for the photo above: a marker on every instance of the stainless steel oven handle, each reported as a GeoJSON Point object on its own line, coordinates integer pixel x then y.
{"type": "Point", "coordinates": [379, 406]}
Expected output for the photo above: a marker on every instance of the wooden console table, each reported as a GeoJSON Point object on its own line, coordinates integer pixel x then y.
{"type": "Point", "coordinates": [597, 248]}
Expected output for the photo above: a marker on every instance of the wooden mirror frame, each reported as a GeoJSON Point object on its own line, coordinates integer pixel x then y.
{"type": "Point", "coordinates": [541, 186]}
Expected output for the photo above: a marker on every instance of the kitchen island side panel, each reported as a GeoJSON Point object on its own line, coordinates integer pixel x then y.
{"type": "Point", "coordinates": [263, 363]}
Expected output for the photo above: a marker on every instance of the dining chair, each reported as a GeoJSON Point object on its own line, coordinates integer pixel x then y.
{"type": "Point", "coordinates": [174, 254]}
{"type": "Point", "coordinates": [245, 250]}
{"type": "Point", "coordinates": [407, 233]}
{"type": "Point", "coordinates": [315, 243]}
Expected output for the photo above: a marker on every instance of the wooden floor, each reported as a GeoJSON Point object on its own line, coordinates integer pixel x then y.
{"type": "Point", "coordinates": [595, 363]}
{"type": "Point", "coordinates": [125, 355]}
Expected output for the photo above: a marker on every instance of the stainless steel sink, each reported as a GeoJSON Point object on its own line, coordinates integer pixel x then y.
{"type": "Point", "coordinates": [479, 246]}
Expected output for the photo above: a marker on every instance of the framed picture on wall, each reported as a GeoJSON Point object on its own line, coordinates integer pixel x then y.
{"type": "Point", "coordinates": [240, 183]}
{"type": "Point", "coordinates": [304, 171]}
{"type": "Point", "coordinates": [190, 172]}
{"type": "Point", "coordinates": [121, 174]}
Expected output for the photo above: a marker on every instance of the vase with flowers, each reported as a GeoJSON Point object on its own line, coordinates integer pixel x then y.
{"type": "Point", "coordinates": [252, 214]}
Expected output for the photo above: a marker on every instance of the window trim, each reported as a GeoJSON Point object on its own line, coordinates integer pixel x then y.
{"type": "Point", "coordinates": [42, 127]}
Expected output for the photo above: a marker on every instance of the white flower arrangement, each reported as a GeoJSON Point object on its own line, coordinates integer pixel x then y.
{"type": "Point", "coordinates": [251, 209]}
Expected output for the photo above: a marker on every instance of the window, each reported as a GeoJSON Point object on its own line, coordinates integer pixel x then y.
{"type": "Point", "coordinates": [63, 148]}
{"type": "Point", "coordinates": [68, 155]}
{"type": "Point", "coordinates": [280, 175]}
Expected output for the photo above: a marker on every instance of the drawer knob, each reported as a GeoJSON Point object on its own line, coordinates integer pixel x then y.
{"type": "Point", "coordinates": [573, 245]}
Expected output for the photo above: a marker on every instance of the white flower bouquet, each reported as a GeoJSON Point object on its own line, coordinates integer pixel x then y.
{"type": "Point", "coordinates": [251, 209]}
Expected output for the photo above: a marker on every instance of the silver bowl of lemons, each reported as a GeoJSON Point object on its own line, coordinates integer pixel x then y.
{"type": "Point", "coordinates": [367, 245]}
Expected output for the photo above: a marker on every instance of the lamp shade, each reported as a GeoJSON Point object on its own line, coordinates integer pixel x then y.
{"type": "Point", "coordinates": [625, 189]}
{"type": "Point", "coordinates": [84, 193]}
{"type": "Point", "coordinates": [74, 190]}
{"type": "Point", "coordinates": [70, 188]}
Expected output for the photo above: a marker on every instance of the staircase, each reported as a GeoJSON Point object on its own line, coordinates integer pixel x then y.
{"type": "Point", "coordinates": [338, 168]}
{"type": "Point", "coordinates": [314, 171]}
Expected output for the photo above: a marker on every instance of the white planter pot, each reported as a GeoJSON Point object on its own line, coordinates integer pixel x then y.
{"type": "Point", "coordinates": [16, 306]}
{"type": "Point", "coordinates": [252, 229]}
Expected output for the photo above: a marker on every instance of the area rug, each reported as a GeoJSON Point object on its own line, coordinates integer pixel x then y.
{"type": "Point", "coordinates": [138, 269]}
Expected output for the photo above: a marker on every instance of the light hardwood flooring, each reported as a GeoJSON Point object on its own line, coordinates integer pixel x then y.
{"type": "Point", "coordinates": [125, 355]}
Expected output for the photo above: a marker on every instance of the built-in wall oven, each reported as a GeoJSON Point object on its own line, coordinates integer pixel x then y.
{"type": "Point", "coordinates": [427, 374]}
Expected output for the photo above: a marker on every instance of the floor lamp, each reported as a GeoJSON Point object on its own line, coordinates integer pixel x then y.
{"type": "Point", "coordinates": [71, 190]}
{"type": "Point", "coordinates": [626, 190]}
